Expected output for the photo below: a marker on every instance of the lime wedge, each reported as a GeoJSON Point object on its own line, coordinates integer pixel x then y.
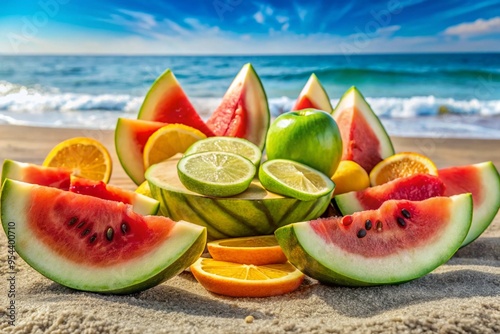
{"type": "Point", "coordinates": [239, 146]}
{"type": "Point", "coordinates": [293, 179]}
{"type": "Point", "coordinates": [219, 174]}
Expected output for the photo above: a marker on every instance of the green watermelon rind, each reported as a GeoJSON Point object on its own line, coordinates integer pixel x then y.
{"type": "Point", "coordinates": [183, 247]}
{"type": "Point", "coordinates": [386, 146]}
{"type": "Point", "coordinates": [164, 80]}
{"type": "Point", "coordinates": [322, 261]}
{"type": "Point", "coordinates": [322, 101]}
{"type": "Point", "coordinates": [347, 203]}
{"type": "Point", "coordinates": [12, 169]}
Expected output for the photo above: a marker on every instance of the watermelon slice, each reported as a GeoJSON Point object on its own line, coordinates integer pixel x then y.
{"type": "Point", "coordinates": [364, 138]}
{"type": "Point", "coordinates": [141, 204]}
{"type": "Point", "coordinates": [91, 244]}
{"type": "Point", "coordinates": [244, 111]}
{"type": "Point", "coordinates": [483, 181]}
{"type": "Point", "coordinates": [416, 187]}
{"type": "Point", "coordinates": [31, 173]}
{"type": "Point", "coordinates": [131, 136]}
{"type": "Point", "coordinates": [313, 95]}
{"type": "Point", "coordinates": [166, 102]}
{"type": "Point", "coordinates": [401, 241]}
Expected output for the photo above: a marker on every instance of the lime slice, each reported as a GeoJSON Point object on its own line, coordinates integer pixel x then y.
{"type": "Point", "coordinates": [235, 145]}
{"type": "Point", "coordinates": [293, 179]}
{"type": "Point", "coordinates": [219, 174]}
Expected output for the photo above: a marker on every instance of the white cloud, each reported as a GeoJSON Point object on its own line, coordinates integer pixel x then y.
{"type": "Point", "coordinates": [387, 31]}
{"type": "Point", "coordinates": [476, 28]}
{"type": "Point", "coordinates": [259, 17]}
{"type": "Point", "coordinates": [133, 20]}
{"type": "Point", "coordinates": [282, 19]}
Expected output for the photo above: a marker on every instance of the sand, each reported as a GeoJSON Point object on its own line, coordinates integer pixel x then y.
{"type": "Point", "coordinates": [462, 296]}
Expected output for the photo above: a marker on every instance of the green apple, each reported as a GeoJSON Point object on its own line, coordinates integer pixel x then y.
{"type": "Point", "coordinates": [309, 136]}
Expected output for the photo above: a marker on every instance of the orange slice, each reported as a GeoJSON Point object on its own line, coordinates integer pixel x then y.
{"type": "Point", "coordinates": [85, 157]}
{"type": "Point", "coordinates": [246, 280]}
{"type": "Point", "coordinates": [168, 141]}
{"type": "Point", "coordinates": [401, 165]}
{"type": "Point", "coordinates": [258, 250]}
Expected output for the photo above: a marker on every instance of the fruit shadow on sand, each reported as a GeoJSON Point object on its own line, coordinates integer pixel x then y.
{"type": "Point", "coordinates": [163, 298]}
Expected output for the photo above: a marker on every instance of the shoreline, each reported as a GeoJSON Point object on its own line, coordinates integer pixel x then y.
{"type": "Point", "coordinates": [460, 296]}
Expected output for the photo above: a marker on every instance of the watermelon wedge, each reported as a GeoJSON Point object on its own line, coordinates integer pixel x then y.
{"type": "Point", "coordinates": [141, 204]}
{"type": "Point", "coordinates": [244, 111]}
{"type": "Point", "coordinates": [131, 136]}
{"type": "Point", "coordinates": [364, 138]}
{"type": "Point", "coordinates": [36, 174]}
{"type": "Point", "coordinates": [90, 244]}
{"type": "Point", "coordinates": [166, 102]}
{"type": "Point", "coordinates": [313, 95]}
{"type": "Point", "coordinates": [401, 241]}
{"type": "Point", "coordinates": [416, 187]}
{"type": "Point", "coordinates": [483, 181]}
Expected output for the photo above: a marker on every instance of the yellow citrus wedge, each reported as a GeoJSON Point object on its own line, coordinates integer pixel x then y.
{"type": "Point", "coordinates": [350, 176]}
{"type": "Point", "coordinates": [168, 141]}
{"type": "Point", "coordinates": [246, 280]}
{"type": "Point", "coordinates": [259, 250]}
{"type": "Point", "coordinates": [85, 157]}
{"type": "Point", "coordinates": [401, 165]}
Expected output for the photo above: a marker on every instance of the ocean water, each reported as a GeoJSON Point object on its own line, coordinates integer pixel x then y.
{"type": "Point", "coordinates": [450, 95]}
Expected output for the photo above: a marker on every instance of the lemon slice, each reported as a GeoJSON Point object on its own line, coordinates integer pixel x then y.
{"type": "Point", "coordinates": [401, 165]}
{"type": "Point", "coordinates": [235, 145]}
{"type": "Point", "coordinates": [85, 157]}
{"type": "Point", "coordinates": [350, 176]}
{"type": "Point", "coordinates": [243, 280]}
{"type": "Point", "coordinates": [219, 174]}
{"type": "Point", "coordinates": [293, 179]}
{"type": "Point", "coordinates": [169, 140]}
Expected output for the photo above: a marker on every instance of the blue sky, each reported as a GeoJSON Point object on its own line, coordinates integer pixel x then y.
{"type": "Point", "coordinates": [248, 27]}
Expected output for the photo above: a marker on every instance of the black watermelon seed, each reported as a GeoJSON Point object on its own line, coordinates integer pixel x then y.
{"type": "Point", "coordinates": [361, 233]}
{"type": "Point", "coordinates": [93, 237]}
{"type": "Point", "coordinates": [72, 221]}
{"type": "Point", "coordinates": [85, 232]}
{"type": "Point", "coordinates": [406, 213]}
{"type": "Point", "coordinates": [368, 224]}
{"type": "Point", "coordinates": [124, 227]}
{"type": "Point", "coordinates": [81, 224]}
{"type": "Point", "coordinates": [379, 225]}
{"type": "Point", "coordinates": [109, 233]}
{"type": "Point", "coordinates": [401, 222]}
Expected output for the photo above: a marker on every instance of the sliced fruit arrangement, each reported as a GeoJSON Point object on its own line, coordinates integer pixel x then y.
{"type": "Point", "coordinates": [255, 211]}
{"type": "Point", "coordinates": [401, 165]}
{"type": "Point", "coordinates": [243, 280]}
{"type": "Point", "coordinates": [364, 138]}
{"type": "Point", "coordinates": [244, 110]}
{"type": "Point", "coordinates": [293, 179]}
{"type": "Point", "coordinates": [91, 244]}
{"type": "Point", "coordinates": [131, 136]}
{"type": "Point", "coordinates": [31, 173]}
{"type": "Point", "coordinates": [313, 95]}
{"type": "Point", "coordinates": [141, 204]}
{"type": "Point", "coordinates": [83, 156]}
{"type": "Point", "coordinates": [401, 241]}
{"type": "Point", "coordinates": [166, 102]}
{"type": "Point", "coordinates": [259, 250]}
{"type": "Point", "coordinates": [416, 187]}
{"type": "Point", "coordinates": [483, 181]}
{"type": "Point", "coordinates": [168, 141]}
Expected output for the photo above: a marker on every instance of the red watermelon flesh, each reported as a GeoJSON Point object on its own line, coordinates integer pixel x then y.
{"type": "Point", "coordinates": [91, 244]}
{"type": "Point", "coordinates": [400, 241]}
{"type": "Point", "coordinates": [243, 111]}
{"type": "Point", "coordinates": [303, 103]}
{"type": "Point", "coordinates": [167, 102]}
{"type": "Point", "coordinates": [313, 95]}
{"type": "Point", "coordinates": [131, 135]}
{"type": "Point", "coordinates": [364, 138]}
{"type": "Point", "coordinates": [416, 187]}
{"type": "Point", "coordinates": [36, 174]}
{"type": "Point", "coordinates": [483, 182]}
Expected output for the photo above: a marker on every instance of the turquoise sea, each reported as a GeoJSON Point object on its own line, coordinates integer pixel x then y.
{"type": "Point", "coordinates": [451, 95]}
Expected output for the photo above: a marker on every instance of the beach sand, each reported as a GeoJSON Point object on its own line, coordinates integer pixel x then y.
{"type": "Point", "coordinates": [462, 296]}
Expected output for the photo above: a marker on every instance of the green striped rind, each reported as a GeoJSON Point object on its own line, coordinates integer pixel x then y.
{"type": "Point", "coordinates": [12, 169]}
{"type": "Point", "coordinates": [353, 97]}
{"type": "Point", "coordinates": [254, 212]}
{"type": "Point", "coordinates": [347, 203]}
{"type": "Point", "coordinates": [185, 244]}
{"type": "Point", "coordinates": [328, 263]}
